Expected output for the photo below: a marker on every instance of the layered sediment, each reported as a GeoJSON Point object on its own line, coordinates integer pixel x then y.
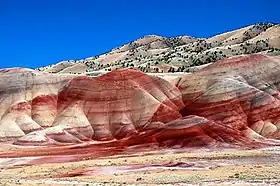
{"type": "Point", "coordinates": [233, 101]}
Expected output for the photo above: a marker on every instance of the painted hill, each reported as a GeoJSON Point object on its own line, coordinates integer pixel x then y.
{"type": "Point", "coordinates": [234, 101]}
{"type": "Point", "coordinates": [157, 54]}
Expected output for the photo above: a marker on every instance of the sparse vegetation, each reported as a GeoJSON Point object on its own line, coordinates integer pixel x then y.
{"type": "Point", "coordinates": [175, 54]}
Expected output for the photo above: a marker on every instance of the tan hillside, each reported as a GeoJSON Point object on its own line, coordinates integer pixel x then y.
{"type": "Point", "coordinates": [157, 54]}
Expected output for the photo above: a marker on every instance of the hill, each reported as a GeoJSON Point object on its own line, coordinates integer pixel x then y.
{"type": "Point", "coordinates": [234, 101]}
{"type": "Point", "coordinates": [157, 54]}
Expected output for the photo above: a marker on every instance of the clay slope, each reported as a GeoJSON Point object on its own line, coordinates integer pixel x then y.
{"type": "Point", "coordinates": [53, 109]}
{"type": "Point", "coordinates": [157, 54]}
{"type": "Point", "coordinates": [27, 100]}
{"type": "Point", "coordinates": [240, 92]}
{"type": "Point", "coordinates": [231, 102]}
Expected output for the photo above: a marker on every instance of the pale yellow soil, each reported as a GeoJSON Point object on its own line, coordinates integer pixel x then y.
{"type": "Point", "coordinates": [238, 167]}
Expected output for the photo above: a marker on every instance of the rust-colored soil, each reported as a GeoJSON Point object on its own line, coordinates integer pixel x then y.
{"type": "Point", "coordinates": [219, 167]}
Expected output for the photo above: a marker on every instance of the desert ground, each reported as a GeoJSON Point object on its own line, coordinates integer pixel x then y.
{"type": "Point", "coordinates": [165, 167]}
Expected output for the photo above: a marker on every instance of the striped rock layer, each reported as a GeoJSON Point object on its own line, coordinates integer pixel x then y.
{"type": "Point", "coordinates": [58, 109]}
{"type": "Point", "coordinates": [240, 92]}
{"type": "Point", "coordinates": [233, 101]}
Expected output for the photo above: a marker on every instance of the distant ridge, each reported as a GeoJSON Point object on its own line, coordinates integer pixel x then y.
{"type": "Point", "coordinates": [156, 54]}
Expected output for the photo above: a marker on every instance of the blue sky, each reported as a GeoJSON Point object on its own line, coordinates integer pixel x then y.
{"type": "Point", "coordinates": [36, 33]}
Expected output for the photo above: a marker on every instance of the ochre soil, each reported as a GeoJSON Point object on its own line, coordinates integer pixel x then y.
{"type": "Point", "coordinates": [164, 167]}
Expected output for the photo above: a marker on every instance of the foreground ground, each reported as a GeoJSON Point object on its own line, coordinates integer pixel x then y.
{"type": "Point", "coordinates": [169, 167]}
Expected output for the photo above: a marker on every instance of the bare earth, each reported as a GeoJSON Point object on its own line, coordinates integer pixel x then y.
{"type": "Point", "coordinates": [170, 167]}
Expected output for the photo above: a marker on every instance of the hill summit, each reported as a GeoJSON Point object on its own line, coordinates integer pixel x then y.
{"type": "Point", "coordinates": [153, 53]}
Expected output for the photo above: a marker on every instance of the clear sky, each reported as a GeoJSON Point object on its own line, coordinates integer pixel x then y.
{"type": "Point", "coordinates": [36, 33]}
